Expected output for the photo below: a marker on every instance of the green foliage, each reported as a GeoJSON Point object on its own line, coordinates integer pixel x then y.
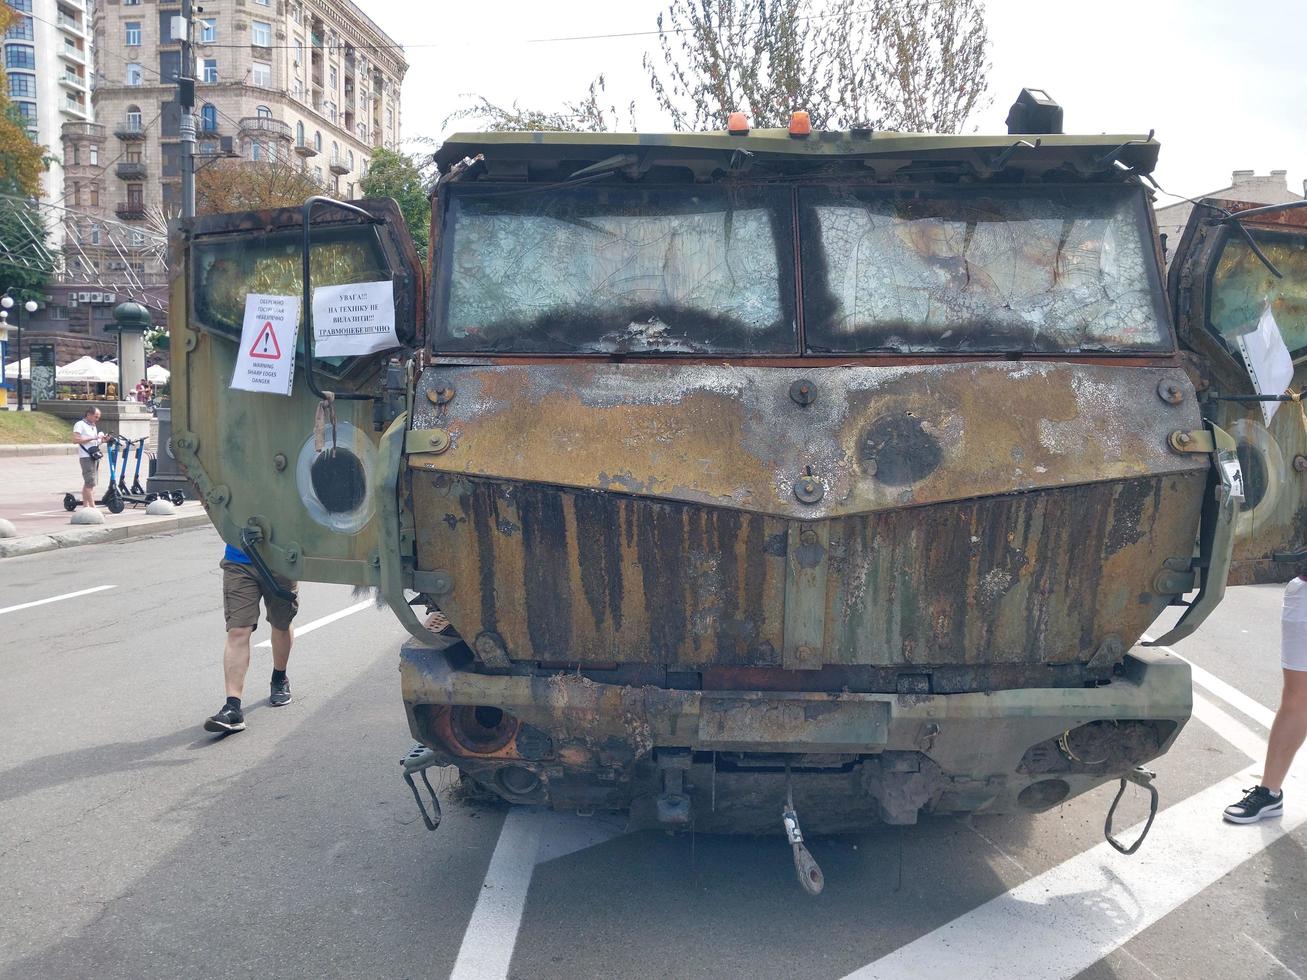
{"type": "Point", "coordinates": [399, 176]}
{"type": "Point", "coordinates": [25, 262]}
{"type": "Point", "coordinates": [589, 115]}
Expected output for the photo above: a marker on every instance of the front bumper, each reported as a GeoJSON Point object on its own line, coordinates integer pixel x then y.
{"type": "Point", "coordinates": [562, 739]}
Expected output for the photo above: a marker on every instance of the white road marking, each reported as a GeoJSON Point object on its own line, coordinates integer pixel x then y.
{"type": "Point", "coordinates": [1088, 906]}
{"type": "Point", "coordinates": [55, 598]}
{"type": "Point", "coordinates": [1231, 695]}
{"type": "Point", "coordinates": [528, 837]}
{"type": "Point", "coordinates": [46, 513]}
{"type": "Point", "coordinates": [308, 628]}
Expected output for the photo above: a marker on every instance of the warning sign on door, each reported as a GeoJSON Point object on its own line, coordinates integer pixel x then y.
{"type": "Point", "coordinates": [266, 360]}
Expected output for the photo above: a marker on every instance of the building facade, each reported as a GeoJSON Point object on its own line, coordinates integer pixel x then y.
{"type": "Point", "coordinates": [49, 66]}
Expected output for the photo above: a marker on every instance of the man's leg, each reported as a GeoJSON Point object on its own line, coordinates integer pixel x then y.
{"type": "Point", "coordinates": [281, 644]}
{"type": "Point", "coordinates": [281, 614]}
{"type": "Point", "coordinates": [89, 475]}
{"type": "Point", "coordinates": [236, 659]}
{"type": "Point", "coordinates": [1288, 730]}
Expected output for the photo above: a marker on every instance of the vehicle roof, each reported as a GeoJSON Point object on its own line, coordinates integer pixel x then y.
{"type": "Point", "coordinates": [1086, 154]}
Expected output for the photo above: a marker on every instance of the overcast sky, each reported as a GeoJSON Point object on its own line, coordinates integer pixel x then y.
{"type": "Point", "coordinates": [1222, 82]}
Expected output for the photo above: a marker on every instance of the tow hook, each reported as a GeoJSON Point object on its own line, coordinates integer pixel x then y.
{"type": "Point", "coordinates": [805, 866]}
{"type": "Point", "coordinates": [419, 760]}
{"type": "Point", "coordinates": [1142, 777]}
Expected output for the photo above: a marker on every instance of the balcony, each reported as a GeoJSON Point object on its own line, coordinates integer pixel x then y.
{"type": "Point", "coordinates": [130, 130]}
{"type": "Point", "coordinates": [339, 167]}
{"type": "Point", "coordinates": [75, 109]}
{"type": "Point", "coordinates": [305, 150]}
{"type": "Point", "coordinates": [73, 81]}
{"type": "Point", "coordinates": [265, 127]}
{"type": "Point", "coordinates": [131, 211]}
{"type": "Point", "coordinates": [82, 131]}
{"type": "Point", "coordinates": [68, 24]}
{"type": "Point", "coordinates": [131, 170]}
{"type": "Point", "coordinates": [73, 54]}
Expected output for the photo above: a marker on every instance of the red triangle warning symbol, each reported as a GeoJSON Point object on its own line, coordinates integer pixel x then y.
{"type": "Point", "coordinates": [265, 344]}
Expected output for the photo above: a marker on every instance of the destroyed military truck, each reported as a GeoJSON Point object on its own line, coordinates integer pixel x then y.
{"type": "Point", "coordinates": [727, 474]}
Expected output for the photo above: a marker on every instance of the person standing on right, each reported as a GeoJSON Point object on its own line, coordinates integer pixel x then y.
{"type": "Point", "coordinates": [1290, 726]}
{"type": "Point", "coordinates": [88, 437]}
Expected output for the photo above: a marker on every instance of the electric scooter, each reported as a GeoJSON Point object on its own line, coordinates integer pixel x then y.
{"type": "Point", "coordinates": [133, 495]}
{"type": "Point", "coordinates": [112, 499]}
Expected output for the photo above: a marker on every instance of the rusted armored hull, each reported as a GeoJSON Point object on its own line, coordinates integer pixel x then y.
{"type": "Point", "coordinates": [668, 570]}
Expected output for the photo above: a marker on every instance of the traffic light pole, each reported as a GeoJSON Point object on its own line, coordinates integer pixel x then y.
{"type": "Point", "coordinates": [186, 100]}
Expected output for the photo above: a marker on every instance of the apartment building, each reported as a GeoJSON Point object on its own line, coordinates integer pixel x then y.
{"type": "Point", "coordinates": [310, 83]}
{"type": "Point", "coordinates": [48, 61]}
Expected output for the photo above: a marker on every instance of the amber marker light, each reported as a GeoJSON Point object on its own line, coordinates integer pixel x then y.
{"type": "Point", "coordinates": [800, 124]}
{"type": "Point", "coordinates": [737, 124]}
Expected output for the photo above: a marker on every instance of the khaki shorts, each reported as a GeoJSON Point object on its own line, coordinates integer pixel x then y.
{"type": "Point", "coordinates": [241, 590]}
{"type": "Point", "coordinates": [89, 472]}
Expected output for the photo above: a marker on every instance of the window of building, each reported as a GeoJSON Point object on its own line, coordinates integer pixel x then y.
{"type": "Point", "coordinates": [209, 118]}
{"type": "Point", "coordinates": [133, 118]}
{"type": "Point", "coordinates": [95, 156]}
{"type": "Point", "coordinates": [134, 155]}
{"type": "Point", "coordinates": [131, 3]}
{"type": "Point", "coordinates": [331, 79]}
{"type": "Point", "coordinates": [297, 90]}
{"type": "Point", "coordinates": [261, 74]}
{"type": "Point", "coordinates": [263, 112]}
{"type": "Point", "coordinates": [170, 65]}
{"type": "Point", "coordinates": [22, 86]}
{"type": "Point", "coordinates": [77, 193]}
{"type": "Point", "coordinates": [135, 75]}
{"type": "Point", "coordinates": [132, 29]}
{"type": "Point", "coordinates": [20, 56]}
{"type": "Point", "coordinates": [208, 31]}
{"type": "Point", "coordinates": [256, 151]}
{"type": "Point", "coordinates": [137, 237]}
{"type": "Point", "coordinates": [20, 30]}
{"type": "Point", "coordinates": [95, 234]}
{"type": "Point", "coordinates": [264, 3]}
{"type": "Point", "coordinates": [136, 196]}
{"type": "Point", "coordinates": [349, 159]}
{"type": "Point", "coordinates": [335, 152]}
{"type": "Point", "coordinates": [21, 5]}
{"type": "Point", "coordinates": [299, 52]}
{"type": "Point", "coordinates": [299, 134]}
{"type": "Point", "coordinates": [27, 111]}
{"type": "Point", "coordinates": [331, 111]}
{"type": "Point", "coordinates": [208, 148]}
{"type": "Point", "coordinates": [317, 172]}
{"type": "Point", "coordinates": [261, 34]}
{"type": "Point", "coordinates": [317, 140]}
{"type": "Point", "coordinates": [57, 312]}
{"type": "Point", "coordinates": [209, 72]}
{"type": "Point", "coordinates": [93, 195]}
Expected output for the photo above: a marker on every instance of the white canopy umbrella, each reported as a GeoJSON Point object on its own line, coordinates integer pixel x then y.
{"type": "Point", "coordinates": [157, 374]}
{"type": "Point", "coordinates": [12, 368]}
{"type": "Point", "coordinates": [87, 369]}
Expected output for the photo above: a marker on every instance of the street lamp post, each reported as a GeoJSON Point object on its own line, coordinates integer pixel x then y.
{"type": "Point", "coordinates": [7, 304]}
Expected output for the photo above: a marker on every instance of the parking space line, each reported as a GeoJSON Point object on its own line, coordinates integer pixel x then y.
{"type": "Point", "coordinates": [1089, 905]}
{"type": "Point", "coordinates": [308, 628]}
{"type": "Point", "coordinates": [1231, 695]}
{"type": "Point", "coordinates": [55, 598]}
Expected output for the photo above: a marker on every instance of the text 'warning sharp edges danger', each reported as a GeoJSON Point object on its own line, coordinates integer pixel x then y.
{"type": "Point", "coordinates": [266, 359]}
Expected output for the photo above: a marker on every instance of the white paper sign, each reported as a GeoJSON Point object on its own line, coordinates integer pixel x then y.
{"type": "Point", "coordinates": [354, 319]}
{"type": "Point", "coordinates": [266, 359]}
{"type": "Point", "coordinates": [1268, 362]}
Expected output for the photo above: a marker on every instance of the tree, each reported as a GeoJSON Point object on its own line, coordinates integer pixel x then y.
{"type": "Point", "coordinates": [910, 66]}
{"type": "Point", "coordinates": [245, 185]}
{"type": "Point", "coordinates": [589, 115]}
{"type": "Point", "coordinates": [21, 160]}
{"type": "Point", "coordinates": [399, 176]}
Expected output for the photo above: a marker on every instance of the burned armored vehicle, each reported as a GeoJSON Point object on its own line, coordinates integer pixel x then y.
{"type": "Point", "coordinates": [721, 474]}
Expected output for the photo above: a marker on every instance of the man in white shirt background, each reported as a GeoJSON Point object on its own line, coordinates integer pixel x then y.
{"type": "Point", "coordinates": [86, 434]}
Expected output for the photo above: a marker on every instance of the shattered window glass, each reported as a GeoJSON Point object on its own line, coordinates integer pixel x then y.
{"type": "Point", "coordinates": [1242, 287]}
{"type": "Point", "coordinates": [619, 270]}
{"type": "Point", "coordinates": [1020, 269]}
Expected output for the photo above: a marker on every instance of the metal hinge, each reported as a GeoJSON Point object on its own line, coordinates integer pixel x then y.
{"type": "Point", "coordinates": [1192, 441]}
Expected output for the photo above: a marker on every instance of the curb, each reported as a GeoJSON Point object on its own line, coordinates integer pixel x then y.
{"type": "Point", "coordinates": [38, 449]}
{"type": "Point", "coordinates": [34, 544]}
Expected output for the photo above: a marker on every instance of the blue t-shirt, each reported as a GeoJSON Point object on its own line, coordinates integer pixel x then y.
{"type": "Point", "coordinates": [236, 555]}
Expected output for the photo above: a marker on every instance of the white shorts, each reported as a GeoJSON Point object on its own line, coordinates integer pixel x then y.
{"type": "Point", "coordinates": [1293, 626]}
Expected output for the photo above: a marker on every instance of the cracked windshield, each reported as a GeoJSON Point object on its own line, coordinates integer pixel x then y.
{"type": "Point", "coordinates": [679, 270]}
{"type": "Point", "coordinates": [1037, 270]}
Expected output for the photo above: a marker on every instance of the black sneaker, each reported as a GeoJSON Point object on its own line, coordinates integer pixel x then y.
{"type": "Point", "coordinates": [227, 720]}
{"type": "Point", "coordinates": [280, 693]}
{"type": "Point", "coordinates": [1257, 805]}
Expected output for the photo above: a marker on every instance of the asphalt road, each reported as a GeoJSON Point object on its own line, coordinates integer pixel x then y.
{"type": "Point", "coordinates": [132, 844]}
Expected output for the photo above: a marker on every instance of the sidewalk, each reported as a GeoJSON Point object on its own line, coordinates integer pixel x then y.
{"type": "Point", "coordinates": [31, 496]}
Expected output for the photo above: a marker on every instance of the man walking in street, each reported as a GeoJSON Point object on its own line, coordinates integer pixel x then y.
{"type": "Point", "coordinates": [86, 434]}
{"type": "Point", "coordinates": [242, 588]}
